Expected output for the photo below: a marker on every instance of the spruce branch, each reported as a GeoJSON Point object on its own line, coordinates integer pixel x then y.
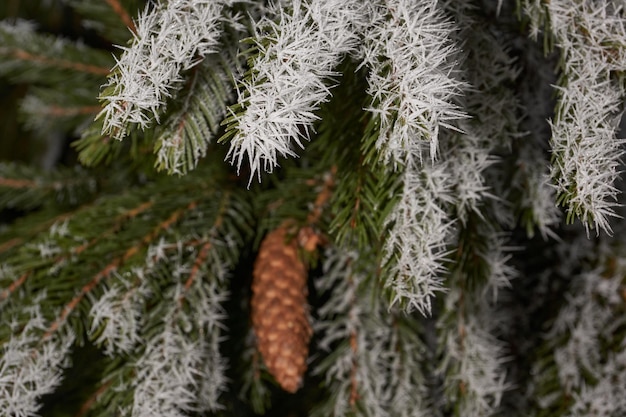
{"type": "Point", "coordinates": [171, 371]}
{"type": "Point", "coordinates": [412, 81]}
{"type": "Point", "coordinates": [119, 10]}
{"type": "Point", "coordinates": [585, 344]}
{"type": "Point", "coordinates": [473, 364]}
{"type": "Point", "coordinates": [31, 57]}
{"type": "Point", "coordinates": [191, 271]}
{"type": "Point", "coordinates": [47, 109]}
{"type": "Point", "coordinates": [95, 149]}
{"type": "Point", "coordinates": [374, 354]}
{"type": "Point", "coordinates": [112, 19]}
{"type": "Point", "coordinates": [186, 134]}
{"type": "Point", "coordinates": [29, 367]}
{"type": "Point", "coordinates": [168, 41]}
{"type": "Point", "coordinates": [477, 149]}
{"type": "Point", "coordinates": [416, 246]}
{"type": "Point", "coordinates": [428, 160]}
{"type": "Point", "coordinates": [23, 187]}
{"type": "Point", "coordinates": [291, 74]}
{"type": "Point", "coordinates": [586, 152]}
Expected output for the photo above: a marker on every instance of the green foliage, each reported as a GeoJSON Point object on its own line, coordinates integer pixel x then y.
{"type": "Point", "coordinates": [25, 188]}
{"type": "Point", "coordinates": [183, 138]}
{"type": "Point", "coordinates": [139, 280]}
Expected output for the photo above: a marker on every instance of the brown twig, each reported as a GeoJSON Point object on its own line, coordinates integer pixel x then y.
{"type": "Point", "coordinates": [86, 406]}
{"type": "Point", "coordinates": [14, 286]}
{"type": "Point", "coordinates": [323, 196]}
{"type": "Point", "coordinates": [13, 183]}
{"type": "Point", "coordinates": [60, 63]}
{"type": "Point", "coordinates": [123, 14]}
{"type": "Point", "coordinates": [58, 111]}
{"type": "Point", "coordinates": [197, 265]}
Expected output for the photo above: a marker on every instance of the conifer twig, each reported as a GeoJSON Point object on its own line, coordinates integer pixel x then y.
{"type": "Point", "coordinates": [112, 266]}
{"type": "Point", "coordinates": [14, 286]}
{"type": "Point", "coordinates": [168, 41]}
{"type": "Point", "coordinates": [123, 14]}
{"type": "Point", "coordinates": [23, 55]}
{"type": "Point", "coordinates": [291, 76]}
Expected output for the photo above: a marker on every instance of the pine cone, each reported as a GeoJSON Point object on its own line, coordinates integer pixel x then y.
{"type": "Point", "coordinates": [279, 308]}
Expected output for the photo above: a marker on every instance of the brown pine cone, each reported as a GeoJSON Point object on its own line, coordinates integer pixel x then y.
{"type": "Point", "coordinates": [280, 310]}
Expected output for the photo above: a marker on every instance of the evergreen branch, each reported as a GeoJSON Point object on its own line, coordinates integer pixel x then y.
{"type": "Point", "coordinates": [112, 266]}
{"type": "Point", "coordinates": [586, 153]}
{"type": "Point", "coordinates": [537, 199]}
{"type": "Point", "coordinates": [202, 313]}
{"type": "Point", "coordinates": [47, 61]}
{"type": "Point", "coordinates": [323, 196]}
{"type": "Point", "coordinates": [223, 243]}
{"type": "Point", "coordinates": [365, 190]}
{"type": "Point", "coordinates": [473, 358]}
{"type": "Point", "coordinates": [168, 41]}
{"type": "Point", "coordinates": [32, 228]}
{"type": "Point", "coordinates": [475, 150]}
{"type": "Point", "coordinates": [71, 306]}
{"type": "Point", "coordinates": [86, 406]}
{"type": "Point", "coordinates": [60, 260]}
{"type": "Point", "coordinates": [581, 372]}
{"type": "Point", "coordinates": [31, 57]}
{"type": "Point", "coordinates": [204, 250]}
{"type": "Point", "coordinates": [134, 285]}
{"type": "Point", "coordinates": [11, 243]}
{"type": "Point", "coordinates": [26, 187]}
{"type": "Point", "coordinates": [374, 359]}
{"type": "Point", "coordinates": [292, 65]}
{"type": "Point", "coordinates": [49, 109]}
{"type": "Point", "coordinates": [15, 183]}
{"type": "Point", "coordinates": [187, 133]}
{"type": "Point", "coordinates": [95, 148]}
{"type": "Point", "coordinates": [475, 373]}
{"type": "Point", "coordinates": [112, 19]}
{"type": "Point", "coordinates": [58, 111]}
{"type": "Point", "coordinates": [253, 389]}
{"type": "Point", "coordinates": [411, 83]}
{"type": "Point", "coordinates": [195, 269]}
{"type": "Point", "coordinates": [30, 370]}
{"type": "Point", "coordinates": [416, 245]}
{"type": "Point", "coordinates": [6, 293]}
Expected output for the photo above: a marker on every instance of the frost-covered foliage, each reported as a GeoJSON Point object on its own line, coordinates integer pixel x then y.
{"type": "Point", "coordinates": [30, 368]}
{"type": "Point", "coordinates": [408, 50]}
{"type": "Point", "coordinates": [170, 39]}
{"type": "Point", "coordinates": [586, 153]}
{"type": "Point", "coordinates": [371, 348]}
{"type": "Point", "coordinates": [293, 70]}
{"type": "Point", "coordinates": [424, 153]}
{"type": "Point", "coordinates": [587, 343]}
{"type": "Point", "coordinates": [416, 247]}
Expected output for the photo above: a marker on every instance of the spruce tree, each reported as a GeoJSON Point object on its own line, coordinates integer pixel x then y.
{"type": "Point", "coordinates": [312, 207]}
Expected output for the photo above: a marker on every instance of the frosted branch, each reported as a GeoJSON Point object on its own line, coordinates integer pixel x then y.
{"type": "Point", "coordinates": [412, 81]}
{"type": "Point", "coordinates": [587, 153]}
{"type": "Point", "coordinates": [290, 77]}
{"type": "Point", "coordinates": [170, 39]}
{"type": "Point", "coordinates": [416, 245]}
{"type": "Point", "coordinates": [376, 366]}
{"type": "Point", "coordinates": [30, 369]}
{"type": "Point", "coordinates": [182, 369]}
